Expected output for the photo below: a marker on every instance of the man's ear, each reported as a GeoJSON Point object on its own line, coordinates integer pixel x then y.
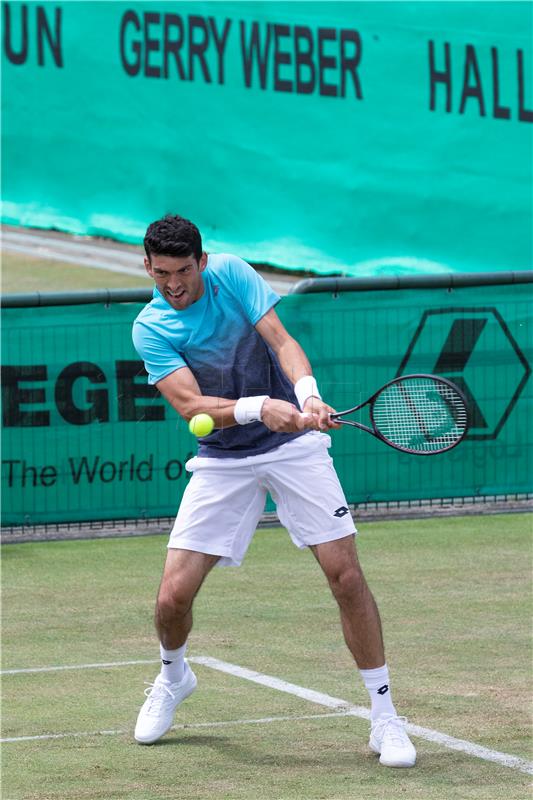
{"type": "Point", "coordinates": [148, 267]}
{"type": "Point", "coordinates": [202, 264]}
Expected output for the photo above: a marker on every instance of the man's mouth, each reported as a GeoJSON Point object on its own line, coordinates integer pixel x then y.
{"type": "Point", "coordinates": [177, 295]}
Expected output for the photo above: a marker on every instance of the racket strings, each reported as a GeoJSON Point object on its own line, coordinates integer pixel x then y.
{"type": "Point", "coordinates": [420, 415]}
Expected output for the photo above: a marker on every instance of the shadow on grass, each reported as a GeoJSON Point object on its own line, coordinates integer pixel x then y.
{"type": "Point", "coordinates": [248, 755]}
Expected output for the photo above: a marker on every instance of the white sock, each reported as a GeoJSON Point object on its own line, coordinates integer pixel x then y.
{"type": "Point", "coordinates": [377, 684]}
{"type": "Point", "coordinates": [172, 663]}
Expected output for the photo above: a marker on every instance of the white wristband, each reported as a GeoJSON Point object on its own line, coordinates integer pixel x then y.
{"type": "Point", "coordinates": [305, 388]}
{"type": "Point", "coordinates": [248, 409]}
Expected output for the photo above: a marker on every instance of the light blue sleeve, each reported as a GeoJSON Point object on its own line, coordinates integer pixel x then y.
{"type": "Point", "coordinates": [255, 294]}
{"type": "Point", "coordinates": [160, 358]}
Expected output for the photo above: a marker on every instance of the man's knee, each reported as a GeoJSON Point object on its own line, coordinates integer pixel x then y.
{"type": "Point", "coordinates": [347, 583]}
{"type": "Point", "coordinates": [183, 576]}
{"type": "Point", "coordinates": [174, 600]}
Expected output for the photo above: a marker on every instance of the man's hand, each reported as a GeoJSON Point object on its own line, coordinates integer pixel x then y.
{"type": "Point", "coordinates": [284, 417]}
{"type": "Point", "coordinates": [320, 412]}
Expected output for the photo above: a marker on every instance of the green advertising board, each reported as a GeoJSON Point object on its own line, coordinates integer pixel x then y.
{"type": "Point", "coordinates": [353, 137]}
{"type": "Point", "coordinates": [85, 437]}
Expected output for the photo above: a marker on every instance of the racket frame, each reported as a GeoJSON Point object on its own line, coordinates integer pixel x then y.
{"type": "Point", "coordinates": [337, 416]}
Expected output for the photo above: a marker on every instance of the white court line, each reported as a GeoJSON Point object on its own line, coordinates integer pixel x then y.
{"type": "Point", "coordinates": [470, 748]}
{"type": "Point", "coordinates": [186, 726]}
{"type": "Point", "coordinates": [282, 686]}
{"type": "Point", "coordinates": [100, 665]}
{"type": "Point", "coordinates": [341, 706]}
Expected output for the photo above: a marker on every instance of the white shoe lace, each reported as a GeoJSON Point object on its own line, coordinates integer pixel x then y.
{"type": "Point", "coordinates": [395, 729]}
{"type": "Point", "coordinates": [396, 726]}
{"type": "Point", "coordinates": [157, 692]}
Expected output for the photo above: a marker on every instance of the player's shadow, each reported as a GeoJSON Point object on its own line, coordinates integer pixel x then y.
{"type": "Point", "coordinates": [235, 750]}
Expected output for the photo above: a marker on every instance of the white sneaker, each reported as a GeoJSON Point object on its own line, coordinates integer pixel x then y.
{"type": "Point", "coordinates": [156, 716]}
{"type": "Point", "coordinates": [389, 739]}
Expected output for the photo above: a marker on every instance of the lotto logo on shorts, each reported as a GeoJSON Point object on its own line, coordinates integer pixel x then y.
{"type": "Point", "coordinates": [341, 512]}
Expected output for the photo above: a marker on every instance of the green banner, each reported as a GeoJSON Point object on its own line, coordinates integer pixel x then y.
{"type": "Point", "coordinates": [85, 437]}
{"type": "Point", "coordinates": [357, 137]}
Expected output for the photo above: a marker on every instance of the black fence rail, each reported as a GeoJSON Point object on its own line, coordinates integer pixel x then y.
{"type": "Point", "coordinates": [334, 285]}
{"type": "Point", "coordinates": [448, 280]}
{"type": "Point", "coordinates": [361, 512]}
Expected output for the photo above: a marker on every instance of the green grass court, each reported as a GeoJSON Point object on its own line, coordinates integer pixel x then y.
{"type": "Point", "coordinates": [455, 600]}
{"type": "Point", "coordinates": [23, 273]}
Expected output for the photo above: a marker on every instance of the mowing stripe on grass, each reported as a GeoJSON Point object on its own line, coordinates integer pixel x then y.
{"type": "Point", "coordinates": [343, 708]}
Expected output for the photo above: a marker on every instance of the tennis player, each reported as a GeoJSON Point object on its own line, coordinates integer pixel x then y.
{"type": "Point", "coordinates": [212, 343]}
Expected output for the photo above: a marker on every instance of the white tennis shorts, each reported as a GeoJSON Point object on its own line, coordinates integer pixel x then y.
{"type": "Point", "coordinates": [225, 498]}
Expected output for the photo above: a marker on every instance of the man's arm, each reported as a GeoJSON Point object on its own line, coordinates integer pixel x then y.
{"type": "Point", "coordinates": [295, 365]}
{"type": "Point", "coordinates": [181, 390]}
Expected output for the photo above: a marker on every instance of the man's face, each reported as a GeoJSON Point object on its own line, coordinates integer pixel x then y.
{"type": "Point", "coordinates": [178, 279]}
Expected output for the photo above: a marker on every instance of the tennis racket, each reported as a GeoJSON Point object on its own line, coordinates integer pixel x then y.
{"type": "Point", "coordinates": [419, 414]}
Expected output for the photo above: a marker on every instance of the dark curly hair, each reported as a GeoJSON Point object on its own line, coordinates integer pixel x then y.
{"type": "Point", "coordinates": [173, 236]}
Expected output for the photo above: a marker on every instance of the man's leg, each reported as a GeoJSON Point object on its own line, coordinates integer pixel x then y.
{"type": "Point", "coordinates": [183, 575]}
{"type": "Point", "coordinates": [361, 626]}
{"type": "Point", "coordinates": [359, 614]}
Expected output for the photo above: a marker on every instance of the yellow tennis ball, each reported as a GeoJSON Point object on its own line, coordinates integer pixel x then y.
{"type": "Point", "coordinates": [201, 425]}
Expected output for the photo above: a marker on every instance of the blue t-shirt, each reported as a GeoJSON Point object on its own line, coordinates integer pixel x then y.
{"type": "Point", "coordinates": [215, 337]}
